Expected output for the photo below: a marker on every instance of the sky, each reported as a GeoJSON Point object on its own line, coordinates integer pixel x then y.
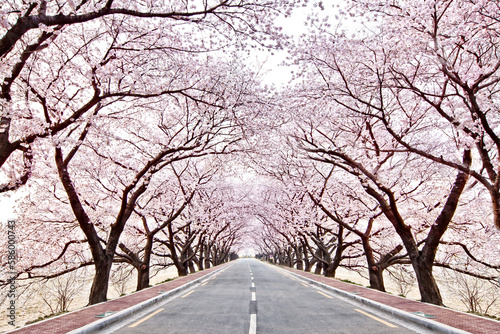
{"type": "Point", "coordinates": [274, 72]}
{"type": "Point", "coordinates": [7, 207]}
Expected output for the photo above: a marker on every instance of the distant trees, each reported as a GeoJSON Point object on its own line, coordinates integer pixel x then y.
{"type": "Point", "coordinates": [157, 212]}
{"type": "Point", "coordinates": [164, 228]}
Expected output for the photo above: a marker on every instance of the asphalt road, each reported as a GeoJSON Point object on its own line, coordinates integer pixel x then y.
{"type": "Point", "coordinates": [253, 297]}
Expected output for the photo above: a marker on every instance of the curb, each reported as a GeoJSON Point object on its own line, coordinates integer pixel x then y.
{"type": "Point", "coordinates": [128, 312]}
{"type": "Point", "coordinates": [403, 315]}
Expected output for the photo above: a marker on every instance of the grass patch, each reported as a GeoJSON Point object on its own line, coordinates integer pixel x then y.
{"type": "Point", "coordinates": [165, 281]}
{"type": "Point", "coordinates": [484, 315]}
{"type": "Point", "coordinates": [350, 282]}
{"type": "Point", "coordinates": [45, 317]}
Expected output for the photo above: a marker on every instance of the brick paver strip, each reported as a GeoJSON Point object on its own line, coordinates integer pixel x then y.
{"type": "Point", "coordinates": [71, 321]}
{"type": "Point", "coordinates": [460, 320]}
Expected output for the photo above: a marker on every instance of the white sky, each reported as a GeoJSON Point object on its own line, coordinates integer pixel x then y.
{"type": "Point", "coordinates": [295, 25]}
{"type": "Point", "coordinates": [7, 208]}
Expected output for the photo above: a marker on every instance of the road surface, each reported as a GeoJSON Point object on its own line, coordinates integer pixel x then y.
{"type": "Point", "coordinates": [252, 297]}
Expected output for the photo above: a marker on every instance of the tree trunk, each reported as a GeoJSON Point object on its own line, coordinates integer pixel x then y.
{"type": "Point", "coordinates": [335, 263]}
{"type": "Point", "coordinates": [299, 256]}
{"type": "Point", "coordinates": [307, 263]}
{"type": "Point", "coordinates": [495, 201]}
{"type": "Point", "coordinates": [376, 277]}
{"type": "Point", "coordinates": [201, 259]}
{"type": "Point", "coordinates": [375, 272]}
{"type": "Point", "coordinates": [6, 147]}
{"type": "Point", "coordinates": [181, 270]}
{"type": "Point", "coordinates": [99, 289]}
{"type": "Point", "coordinates": [330, 270]}
{"type": "Point", "coordinates": [143, 270]}
{"type": "Point", "coordinates": [200, 264]}
{"type": "Point", "coordinates": [215, 257]}
{"type": "Point", "coordinates": [319, 265]}
{"type": "Point", "coordinates": [289, 257]}
{"type": "Point", "coordinates": [319, 268]}
{"type": "Point", "coordinates": [429, 290]}
{"type": "Point", "coordinates": [192, 269]}
{"type": "Point", "coordinates": [178, 261]}
{"type": "Point", "coordinates": [143, 277]}
{"type": "Point", "coordinates": [190, 263]}
{"type": "Point", "coordinates": [300, 265]}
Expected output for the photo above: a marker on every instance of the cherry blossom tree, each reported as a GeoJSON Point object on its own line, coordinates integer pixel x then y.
{"type": "Point", "coordinates": [121, 172]}
{"type": "Point", "coordinates": [115, 114]}
{"type": "Point", "coordinates": [60, 60]}
{"type": "Point", "coordinates": [206, 232]}
{"type": "Point", "coordinates": [333, 235]}
{"type": "Point", "coordinates": [447, 65]}
{"type": "Point", "coordinates": [377, 120]}
{"type": "Point", "coordinates": [377, 174]}
{"type": "Point", "coordinates": [222, 209]}
{"type": "Point", "coordinates": [344, 207]}
{"type": "Point", "coordinates": [156, 211]}
{"type": "Point", "coordinates": [376, 107]}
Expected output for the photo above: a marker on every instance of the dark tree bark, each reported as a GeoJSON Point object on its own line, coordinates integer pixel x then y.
{"type": "Point", "coordinates": [307, 263]}
{"type": "Point", "coordinates": [334, 264]}
{"type": "Point", "coordinates": [299, 257]}
{"type": "Point", "coordinates": [143, 277]}
{"type": "Point", "coordinates": [325, 263]}
{"type": "Point", "coordinates": [181, 252]}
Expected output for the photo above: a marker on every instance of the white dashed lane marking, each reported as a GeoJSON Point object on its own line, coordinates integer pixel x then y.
{"type": "Point", "coordinates": [253, 306]}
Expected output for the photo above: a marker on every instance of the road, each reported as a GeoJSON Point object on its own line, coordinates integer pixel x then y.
{"type": "Point", "coordinates": [251, 297]}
